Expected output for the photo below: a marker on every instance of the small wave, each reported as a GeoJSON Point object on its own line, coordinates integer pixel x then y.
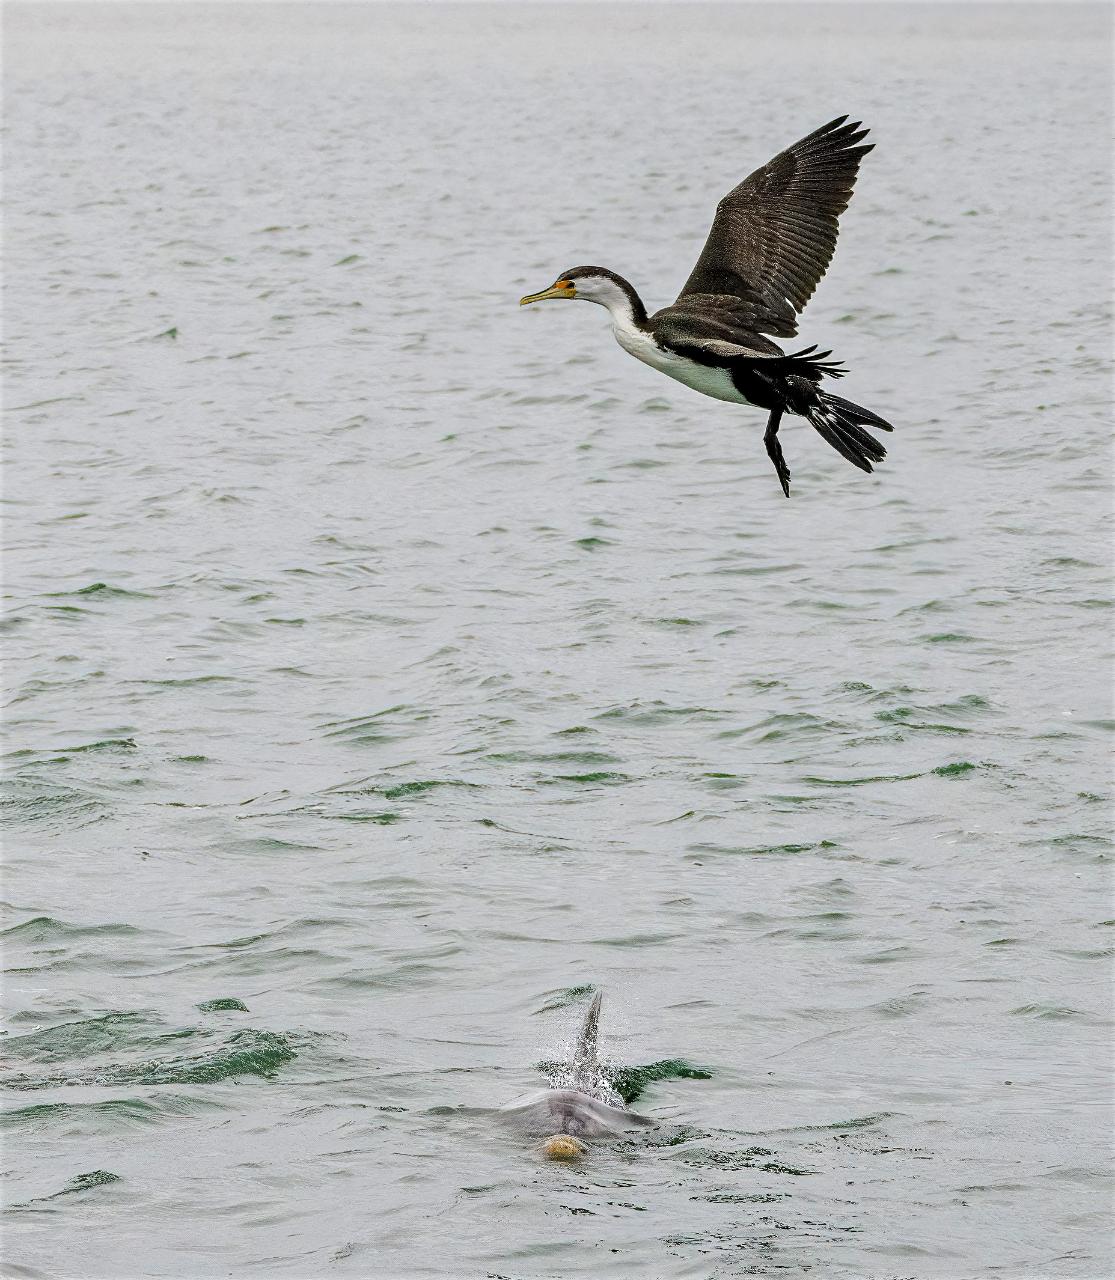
{"type": "Point", "coordinates": [80, 1183]}
{"type": "Point", "coordinates": [553, 757]}
{"type": "Point", "coordinates": [749, 1158]}
{"type": "Point", "coordinates": [110, 745]}
{"type": "Point", "coordinates": [48, 929]}
{"type": "Point", "coordinates": [631, 1082]}
{"type": "Point", "coordinates": [1057, 1012]}
{"type": "Point", "coordinates": [113, 1113]}
{"type": "Point", "coordinates": [86, 1182]}
{"type": "Point", "coordinates": [760, 850]}
{"type": "Point", "coordinates": [69, 1040]}
{"type": "Point", "coordinates": [955, 770]}
{"type": "Point", "coordinates": [857, 1122]}
{"type": "Point", "coordinates": [903, 716]}
{"type": "Point", "coordinates": [401, 790]}
{"type": "Point", "coordinates": [603, 776]}
{"type": "Point", "coordinates": [658, 713]}
{"type": "Point", "coordinates": [566, 996]}
{"type": "Point", "coordinates": [256, 1053]}
{"type": "Point", "coordinates": [76, 1052]}
{"type": "Point", "coordinates": [861, 782]}
{"type": "Point", "coordinates": [377, 726]}
{"type": "Point", "coordinates": [30, 801]}
{"type": "Point", "coordinates": [102, 591]}
{"type": "Point", "coordinates": [794, 725]}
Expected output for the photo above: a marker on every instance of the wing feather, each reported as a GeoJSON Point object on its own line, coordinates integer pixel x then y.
{"type": "Point", "coordinates": [718, 330]}
{"type": "Point", "coordinates": [710, 329]}
{"type": "Point", "coordinates": [773, 236]}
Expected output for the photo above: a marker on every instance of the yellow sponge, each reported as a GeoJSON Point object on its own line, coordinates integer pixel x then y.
{"type": "Point", "coordinates": [562, 1147]}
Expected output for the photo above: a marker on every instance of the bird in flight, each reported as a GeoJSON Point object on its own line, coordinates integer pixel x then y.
{"type": "Point", "coordinates": [771, 242]}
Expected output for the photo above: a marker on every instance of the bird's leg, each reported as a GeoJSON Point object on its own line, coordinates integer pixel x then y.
{"type": "Point", "coordinates": [775, 450]}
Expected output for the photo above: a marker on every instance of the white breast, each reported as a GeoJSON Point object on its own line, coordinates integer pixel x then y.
{"type": "Point", "coordinates": [701, 377]}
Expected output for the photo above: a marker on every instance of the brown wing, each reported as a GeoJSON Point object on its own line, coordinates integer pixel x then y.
{"type": "Point", "coordinates": [773, 236]}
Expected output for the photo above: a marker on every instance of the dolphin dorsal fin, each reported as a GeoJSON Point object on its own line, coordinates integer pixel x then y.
{"type": "Point", "coordinates": [586, 1061]}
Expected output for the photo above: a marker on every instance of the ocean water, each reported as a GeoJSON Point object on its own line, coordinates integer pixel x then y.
{"type": "Point", "coordinates": [389, 667]}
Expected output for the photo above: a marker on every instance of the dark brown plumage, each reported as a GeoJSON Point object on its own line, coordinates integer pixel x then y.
{"type": "Point", "coordinates": [773, 236]}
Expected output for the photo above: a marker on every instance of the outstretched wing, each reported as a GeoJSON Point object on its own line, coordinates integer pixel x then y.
{"type": "Point", "coordinates": [773, 236]}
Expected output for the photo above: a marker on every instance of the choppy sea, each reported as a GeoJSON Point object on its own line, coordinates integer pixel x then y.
{"type": "Point", "coordinates": [388, 668]}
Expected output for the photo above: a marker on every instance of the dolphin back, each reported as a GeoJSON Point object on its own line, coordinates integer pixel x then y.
{"type": "Point", "coordinates": [568, 1111]}
{"type": "Point", "coordinates": [586, 1060]}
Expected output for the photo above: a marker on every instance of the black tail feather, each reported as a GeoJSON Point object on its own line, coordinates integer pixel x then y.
{"type": "Point", "coordinates": [857, 413]}
{"type": "Point", "coordinates": [839, 422]}
{"type": "Point", "coordinates": [808, 363]}
{"type": "Point", "coordinates": [841, 444]}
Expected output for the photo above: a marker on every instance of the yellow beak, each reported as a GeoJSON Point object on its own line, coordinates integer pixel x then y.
{"type": "Point", "coordinates": [559, 289]}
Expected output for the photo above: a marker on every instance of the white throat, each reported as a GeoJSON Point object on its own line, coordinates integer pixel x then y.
{"type": "Point", "coordinates": [606, 293]}
{"type": "Point", "coordinates": [623, 321]}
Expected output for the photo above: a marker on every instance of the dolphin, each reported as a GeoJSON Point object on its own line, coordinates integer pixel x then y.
{"type": "Point", "coordinates": [586, 1109]}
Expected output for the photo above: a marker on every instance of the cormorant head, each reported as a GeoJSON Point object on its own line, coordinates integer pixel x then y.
{"type": "Point", "coordinates": [563, 1147]}
{"type": "Point", "coordinates": [590, 284]}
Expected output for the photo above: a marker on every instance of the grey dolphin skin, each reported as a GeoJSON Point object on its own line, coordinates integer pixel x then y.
{"type": "Point", "coordinates": [564, 1117]}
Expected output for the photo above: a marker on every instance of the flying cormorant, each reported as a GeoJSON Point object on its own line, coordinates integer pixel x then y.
{"type": "Point", "coordinates": [771, 242]}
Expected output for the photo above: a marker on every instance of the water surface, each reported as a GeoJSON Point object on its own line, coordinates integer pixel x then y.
{"type": "Point", "coordinates": [390, 667]}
